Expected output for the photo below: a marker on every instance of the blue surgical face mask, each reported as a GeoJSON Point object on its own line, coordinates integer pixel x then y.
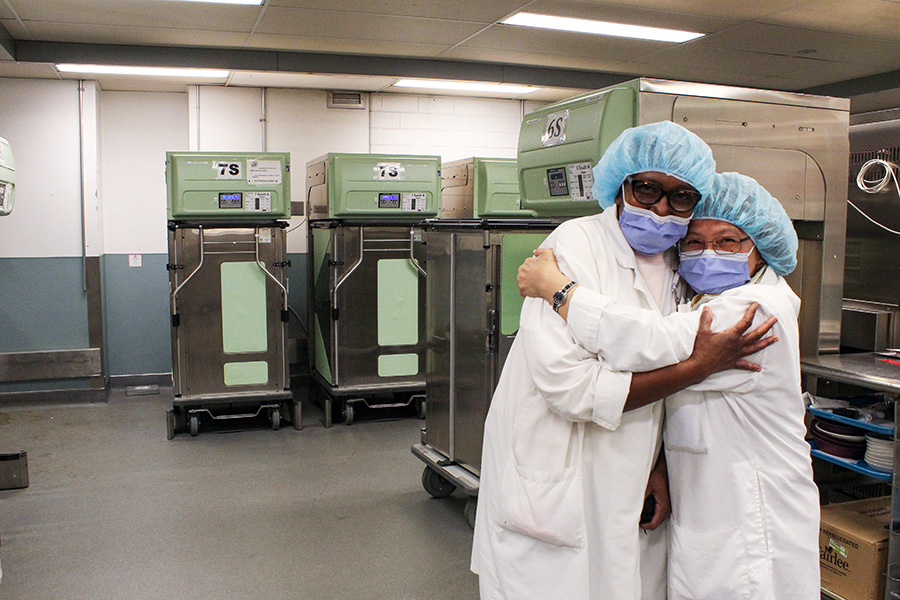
{"type": "Point", "coordinates": [649, 233]}
{"type": "Point", "coordinates": [711, 273]}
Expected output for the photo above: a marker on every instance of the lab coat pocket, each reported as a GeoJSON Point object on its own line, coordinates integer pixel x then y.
{"type": "Point", "coordinates": [708, 565]}
{"type": "Point", "coordinates": [687, 424]}
{"type": "Point", "coordinates": [545, 505]}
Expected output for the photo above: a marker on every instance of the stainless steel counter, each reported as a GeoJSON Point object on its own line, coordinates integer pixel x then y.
{"type": "Point", "coordinates": [866, 369]}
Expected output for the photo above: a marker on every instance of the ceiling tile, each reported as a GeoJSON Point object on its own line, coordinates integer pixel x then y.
{"type": "Point", "coordinates": [319, 23]}
{"type": "Point", "coordinates": [100, 34]}
{"type": "Point", "coordinates": [724, 59]}
{"type": "Point", "coordinates": [16, 29]}
{"type": "Point", "coordinates": [730, 9]}
{"type": "Point", "coordinates": [872, 18]}
{"type": "Point", "coordinates": [139, 13]}
{"type": "Point", "coordinates": [476, 11]}
{"type": "Point", "coordinates": [791, 41]}
{"type": "Point", "coordinates": [589, 63]}
{"type": "Point", "coordinates": [828, 72]}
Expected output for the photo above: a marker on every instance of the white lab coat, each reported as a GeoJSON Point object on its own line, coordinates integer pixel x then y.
{"type": "Point", "coordinates": [563, 469]}
{"type": "Point", "coordinates": [745, 509]}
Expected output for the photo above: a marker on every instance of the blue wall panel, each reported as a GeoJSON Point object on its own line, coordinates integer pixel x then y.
{"type": "Point", "coordinates": [43, 305]}
{"type": "Point", "coordinates": [136, 314]}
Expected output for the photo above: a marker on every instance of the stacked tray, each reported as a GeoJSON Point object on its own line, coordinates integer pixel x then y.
{"type": "Point", "coordinates": [837, 439]}
{"type": "Point", "coordinates": [879, 453]}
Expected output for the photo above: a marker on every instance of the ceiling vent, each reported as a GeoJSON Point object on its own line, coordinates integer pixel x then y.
{"type": "Point", "coordinates": [346, 99]}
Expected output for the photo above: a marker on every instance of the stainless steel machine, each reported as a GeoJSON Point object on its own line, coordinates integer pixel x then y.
{"type": "Point", "coordinates": [793, 144]}
{"type": "Point", "coordinates": [871, 316]}
{"type": "Point", "coordinates": [228, 287]}
{"type": "Point", "coordinates": [472, 313]}
{"type": "Point", "coordinates": [367, 290]}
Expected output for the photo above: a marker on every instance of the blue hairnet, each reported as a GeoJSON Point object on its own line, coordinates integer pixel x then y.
{"type": "Point", "coordinates": [664, 147]}
{"type": "Point", "coordinates": [741, 201]}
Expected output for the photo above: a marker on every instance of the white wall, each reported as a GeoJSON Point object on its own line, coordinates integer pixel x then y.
{"type": "Point", "coordinates": [299, 122]}
{"type": "Point", "coordinates": [136, 130]}
{"type": "Point", "coordinates": [448, 126]}
{"type": "Point", "coordinates": [40, 120]}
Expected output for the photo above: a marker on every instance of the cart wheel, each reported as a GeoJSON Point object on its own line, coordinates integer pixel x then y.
{"type": "Point", "coordinates": [348, 413]}
{"type": "Point", "coordinates": [436, 485]}
{"type": "Point", "coordinates": [195, 425]}
{"type": "Point", "coordinates": [170, 424]}
{"type": "Point", "coordinates": [469, 510]}
{"type": "Point", "coordinates": [420, 407]}
{"type": "Point", "coordinates": [275, 418]}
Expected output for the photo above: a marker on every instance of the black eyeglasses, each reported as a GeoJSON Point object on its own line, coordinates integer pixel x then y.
{"type": "Point", "coordinates": [649, 193]}
{"type": "Point", "coordinates": [722, 245]}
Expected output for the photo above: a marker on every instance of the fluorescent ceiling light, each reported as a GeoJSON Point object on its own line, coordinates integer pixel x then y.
{"type": "Point", "coordinates": [441, 84]}
{"type": "Point", "coordinates": [600, 28]}
{"type": "Point", "coordinates": [151, 71]}
{"type": "Point", "coordinates": [248, 2]}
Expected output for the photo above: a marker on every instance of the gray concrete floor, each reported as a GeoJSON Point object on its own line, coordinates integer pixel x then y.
{"type": "Point", "coordinates": [116, 511]}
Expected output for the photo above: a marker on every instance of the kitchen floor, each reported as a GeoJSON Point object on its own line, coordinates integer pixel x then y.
{"type": "Point", "coordinates": [114, 510]}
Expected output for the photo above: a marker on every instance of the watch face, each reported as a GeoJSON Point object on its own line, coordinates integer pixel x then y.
{"type": "Point", "coordinates": [559, 297]}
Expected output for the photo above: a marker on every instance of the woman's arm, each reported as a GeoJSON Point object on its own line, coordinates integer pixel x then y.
{"type": "Point", "coordinates": [640, 340]}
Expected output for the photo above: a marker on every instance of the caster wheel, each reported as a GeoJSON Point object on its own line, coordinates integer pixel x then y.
{"type": "Point", "coordinates": [436, 485]}
{"type": "Point", "coordinates": [170, 424]}
{"type": "Point", "coordinates": [195, 425]}
{"type": "Point", "coordinates": [275, 419]}
{"type": "Point", "coordinates": [469, 511]}
{"type": "Point", "coordinates": [420, 408]}
{"type": "Point", "coordinates": [348, 413]}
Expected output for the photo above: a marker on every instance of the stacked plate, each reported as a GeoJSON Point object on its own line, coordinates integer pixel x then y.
{"type": "Point", "coordinates": [879, 453]}
{"type": "Point", "coordinates": [837, 439]}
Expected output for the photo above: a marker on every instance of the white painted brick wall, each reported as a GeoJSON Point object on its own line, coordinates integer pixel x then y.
{"type": "Point", "coordinates": [448, 126]}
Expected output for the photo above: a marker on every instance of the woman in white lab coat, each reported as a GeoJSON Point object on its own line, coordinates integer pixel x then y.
{"type": "Point", "coordinates": [745, 509]}
{"type": "Point", "coordinates": [565, 463]}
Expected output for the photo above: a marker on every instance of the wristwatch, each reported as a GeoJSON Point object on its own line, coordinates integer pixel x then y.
{"type": "Point", "coordinates": [559, 297]}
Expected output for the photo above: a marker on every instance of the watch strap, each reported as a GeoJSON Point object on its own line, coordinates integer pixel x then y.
{"type": "Point", "coordinates": [559, 297]}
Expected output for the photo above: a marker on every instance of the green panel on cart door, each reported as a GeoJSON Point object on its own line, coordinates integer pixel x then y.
{"type": "Point", "coordinates": [322, 364]}
{"type": "Point", "coordinates": [246, 373]}
{"type": "Point", "coordinates": [243, 308]}
{"type": "Point", "coordinates": [514, 249]}
{"type": "Point", "coordinates": [398, 365]}
{"type": "Point", "coordinates": [321, 239]}
{"type": "Point", "coordinates": [398, 302]}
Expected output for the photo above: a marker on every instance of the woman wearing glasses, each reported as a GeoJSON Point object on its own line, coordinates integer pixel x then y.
{"type": "Point", "coordinates": [569, 442]}
{"type": "Point", "coordinates": [745, 510]}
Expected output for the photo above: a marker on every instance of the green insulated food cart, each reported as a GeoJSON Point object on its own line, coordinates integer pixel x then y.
{"type": "Point", "coordinates": [367, 288]}
{"type": "Point", "coordinates": [228, 287]}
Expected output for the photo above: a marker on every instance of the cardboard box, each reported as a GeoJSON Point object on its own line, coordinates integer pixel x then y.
{"type": "Point", "coordinates": [853, 548]}
{"type": "Point", "coordinates": [13, 470]}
